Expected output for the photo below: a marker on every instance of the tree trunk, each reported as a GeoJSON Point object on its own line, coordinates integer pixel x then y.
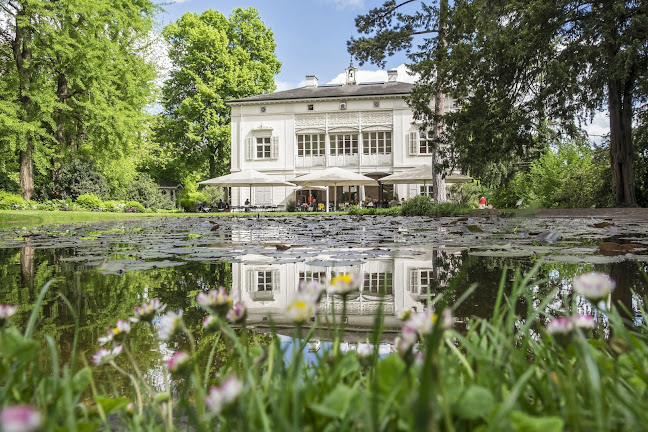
{"type": "Point", "coordinates": [26, 170]}
{"type": "Point", "coordinates": [21, 47]}
{"type": "Point", "coordinates": [621, 147]}
{"type": "Point", "coordinates": [438, 182]}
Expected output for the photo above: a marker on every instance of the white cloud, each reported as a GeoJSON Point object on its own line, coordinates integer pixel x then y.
{"type": "Point", "coordinates": [287, 85]}
{"type": "Point", "coordinates": [343, 4]}
{"type": "Point", "coordinates": [599, 127]}
{"type": "Point", "coordinates": [377, 75]}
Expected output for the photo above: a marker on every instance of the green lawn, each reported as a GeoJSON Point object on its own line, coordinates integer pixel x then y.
{"type": "Point", "coordinates": [11, 218]}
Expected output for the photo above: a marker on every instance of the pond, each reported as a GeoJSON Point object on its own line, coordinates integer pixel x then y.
{"type": "Point", "coordinates": [106, 269]}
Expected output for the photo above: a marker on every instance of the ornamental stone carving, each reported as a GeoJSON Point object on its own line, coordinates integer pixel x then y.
{"type": "Point", "coordinates": [343, 119]}
{"type": "Point", "coordinates": [377, 117]}
{"type": "Point", "coordinates": [310, 121]}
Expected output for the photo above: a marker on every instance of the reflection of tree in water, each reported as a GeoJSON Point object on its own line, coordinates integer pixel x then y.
{"type": "Point", "coordinates": [456, 273]}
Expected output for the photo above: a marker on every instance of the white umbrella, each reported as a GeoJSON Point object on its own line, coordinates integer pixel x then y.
{"type": "Point", "coordinates": [247, 177]}
{"type": "Point", "coordinates": [334, 177]}
{"type": "Point", "coordinates": [421, 174]}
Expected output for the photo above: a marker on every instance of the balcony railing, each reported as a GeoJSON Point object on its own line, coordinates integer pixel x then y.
{"type": "Point", "coordinates": [343, 160]}
{"type": "Point", "coordinates": [376, 159]}
{"type": "Point", "coordinates": [310, 161]}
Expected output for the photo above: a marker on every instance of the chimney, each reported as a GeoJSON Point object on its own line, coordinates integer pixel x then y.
{"type": "Point", "coordinates": [392, 75]}
{"type": "Point", "coordinates": [311, 81]}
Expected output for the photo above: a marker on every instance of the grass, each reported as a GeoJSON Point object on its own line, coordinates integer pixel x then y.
{"type": "Point", "coordinates": [508, 372]}
{"type": "Point", "coordinates": [11, 218]}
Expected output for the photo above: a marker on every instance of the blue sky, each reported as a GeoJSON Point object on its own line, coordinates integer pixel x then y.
{"type": "Point", "coordinates": [311, 35]}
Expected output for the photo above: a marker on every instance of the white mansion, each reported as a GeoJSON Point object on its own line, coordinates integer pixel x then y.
{"type": "Point", "coordinates": [367, 128]}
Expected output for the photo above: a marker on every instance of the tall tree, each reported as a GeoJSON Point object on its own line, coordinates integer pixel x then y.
{"type": "Point", "coordinates": [75, 79]}
{"type": "Point", "coordinates": [522, 70]}
{"type": "Point", "coordinates": [429, 61]}
{"type": "Point", "coordinates": [215, 59]}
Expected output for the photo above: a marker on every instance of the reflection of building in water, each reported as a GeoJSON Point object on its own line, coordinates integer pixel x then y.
{"type": "Point", "coordinates": [395, 283]}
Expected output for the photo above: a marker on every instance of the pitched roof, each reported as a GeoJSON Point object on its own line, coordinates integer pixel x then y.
{"type": "Point", "coordinates": [333, 91]}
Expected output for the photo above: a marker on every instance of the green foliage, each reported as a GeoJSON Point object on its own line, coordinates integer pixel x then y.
{"type": "Point", "coordinates": [9, 201]}
{"type": "Point", "coordinates": [418, 206]}
{"type": "Point", "coordinates": [89, 202]}
{"type": "Point", "coordinates": [570, 175]}
{"type": "Point", "coordinates": [78, 86]}
{"type": "Point", "coordinates": [75, 178]}
{"type": "Point", "coordinates": [144, 190]}
{"type": "Point", "coordinates": [216, 59]}
{"type": "Point", "coordinates": [392, 211]}
{"type": "Point", "coordinates": [520, 73]}
{"type": "Point", "coordinates": [473, 375]}
{"type": "Point", "coordinates": [190, 202]}
{"type": "Point", "coordinates": [133, 207]}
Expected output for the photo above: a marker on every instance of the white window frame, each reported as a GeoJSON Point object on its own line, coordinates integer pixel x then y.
{"type": "Point", "coordinates": [377, 142]}
{"type": "Point", "coordinates": [374, 281]}
{"type": "Point", "coordinates": [416, 285]}
{"type": "Point", "coordinates": [254, 142]}
{"type": "Point", "coordinates": [343, 142]}
{"type": "Point", "coordinates": [311, 145]}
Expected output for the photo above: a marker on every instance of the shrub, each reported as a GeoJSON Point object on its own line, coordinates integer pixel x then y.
{"type": "Point", "coordinates": [133, 207]}
{"type": "Point", "coordinates": [291, 206]}
{"type": "Point", "coordinates": [51, 205]}
{"type": "Point", "coordinates": [190, 202]}
{"type": "Point", "coordinates": [75, 178]}
{"type": "Point", "coordinates": [113, 206]}
{"type": "Point", "coordinates": [9, 201]}
{"type": "Point", "coordinates": [418, 206]}
{"type": "Point", "coordinates": [89, 202]}
{"type": "Point", "coordinates": [145, 190]}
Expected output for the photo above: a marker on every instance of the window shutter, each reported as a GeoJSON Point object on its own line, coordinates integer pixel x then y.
{"type": "Point", "coordinates": [275, 147]}
{"type": "Point", "coordinates": [412, 141]}
{"type": "Point", "coordinates": [275, 280]}
{"type": "Point", "coordinates": [249, 144]}
{"type": "Point", "coordinates": [250, 280]}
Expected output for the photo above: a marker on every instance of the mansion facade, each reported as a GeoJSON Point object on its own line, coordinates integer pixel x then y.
{"type": "Point", "coordinates": [367, 128]}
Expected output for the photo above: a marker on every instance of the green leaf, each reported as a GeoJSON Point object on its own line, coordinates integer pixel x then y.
{"type": "Point", "coordinates": [336, 403]}
{"type": "Point", "coordinates": [474, 403]}
{"type": "Point", "coordinates": [81, 380]}
{"type": "Point", "coordinates": [110, 405]}
{"type": "Point", "coordinates": [390, 370]}
{"type": "Point", "coordinates": [16, 346]}
{"type": "Point", "coordinates": [522, 422]}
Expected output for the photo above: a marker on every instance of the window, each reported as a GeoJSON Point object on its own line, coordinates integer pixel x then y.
{"type": "Point", "coordinates": [264, 280]}
{"type": "Point", "coordinates": [344, 144]}
{"type": "Point", "coordinates": [313, 276]}
{"type": "Point", "coordinates": [426, 190]}
{"type": "Point", "coordinates": [377, 142]}
{"type": "Point", "coordinates": [310, 107]}
{"type": "Point", "coordinates": [420, 280]}
{"type": "Point", "coordinates": [378, 284]}
{"type": "Point", "coordinates": [426, 145]}
{"type": "Point", "coordinates": [310, 145]}
{"type": "Point", "coordinates": [376, 104]}
{"type": "Point", "coordinates": [263, 109]}
{"type": "Point", "coordinates": [263, 148]}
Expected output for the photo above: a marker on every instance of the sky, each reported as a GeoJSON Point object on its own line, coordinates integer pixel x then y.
{"type": "Point", "coordinates": [311, 36]}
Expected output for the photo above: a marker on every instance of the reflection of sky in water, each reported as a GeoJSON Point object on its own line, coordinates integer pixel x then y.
{"type": "Point", "coordinates": [316, 350]}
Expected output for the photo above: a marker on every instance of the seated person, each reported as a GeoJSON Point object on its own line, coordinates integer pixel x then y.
{"type": "Point", "coordinates": [385, 203]}
{"type": "Point", "coordinates": [227, 207]}
{"type": "Point", "coordinates": [220, 205]}
{"type": "Point", "coordinates": [393, 202]}
{"type": "Point", "coordinates": [247, 202]}
{"type": "Point", "coordinates": [370, 204]}
{"type": "Point", "coordinates": [247, 205]}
